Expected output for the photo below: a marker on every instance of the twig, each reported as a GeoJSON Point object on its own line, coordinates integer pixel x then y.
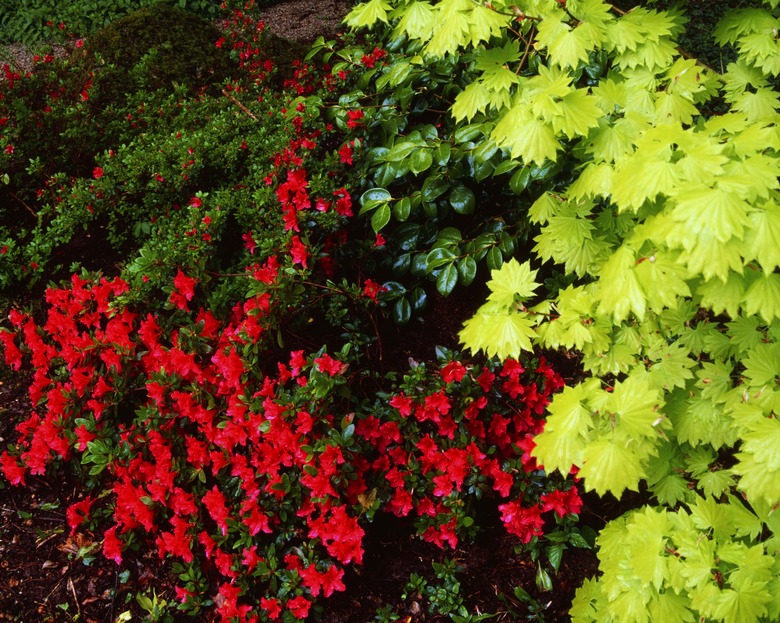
{"type": "Point", "coordinates": [75, 597]}
{"type": "Point", "coordinates": [239, 104]}
{"type": "Point", "coordinates": [20, 200]}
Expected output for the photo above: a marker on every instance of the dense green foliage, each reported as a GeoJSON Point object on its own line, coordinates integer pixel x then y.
{"type": "Point", "coordinates": [30, 21]}
{"type": "Point", "coordinates": [650, 183]}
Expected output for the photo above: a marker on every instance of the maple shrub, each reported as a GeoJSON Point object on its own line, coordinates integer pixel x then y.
{"type": "Point", "coordinates": [184, 392]}
{"type": "Point", "coordinates": [649, 184]}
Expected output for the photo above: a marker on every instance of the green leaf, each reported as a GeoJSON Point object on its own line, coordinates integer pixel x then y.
{"type": "Point", "coordinates": [447, 279]}
{"type": "Point", "coordinates": [520, 180]}
{"type": "Point", "coordinates": [462, 200]}
{"type": "Point", "coordinates": [636, 406]}
{"type": "Point", "coordinates": [763, 297]}
{"type": "Point", "coordinates": [494, 258]}
{"type": "Point", "coordinates": [512, 283]}
{"type": "Point", "coordinates": [439, 257]}
{"type": "Point", "coordinates": [467, 269]}
{"type": "Point", "coordinates": [526, 136]}
{"type": "Point", "coordinates": [367, 14]}
{"type": "Point", "coordinates": [498, 332]}
{"type": "Point", "coordinates": [402, 311]}
{"type": "Point", "coordinates": [420, 161]}
{"type": "Point", "coordinates": [610, 466]}
{"type": "Point", "coordinates": [380, 218]}
{"type": "Point", "coordinates": [472, 100]}
{"type": "Point", "coordinates": [402, 209]}
{"type": "Point", "coordinates": [434, 187]}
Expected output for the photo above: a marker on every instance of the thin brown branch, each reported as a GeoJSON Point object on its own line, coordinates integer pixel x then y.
{"type": "Point", "coordinates": [20, 200]}
{"type": "Point", "coordinates": [239, 104]}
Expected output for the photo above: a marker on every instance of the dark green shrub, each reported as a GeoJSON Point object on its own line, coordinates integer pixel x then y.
{"type": "Point", "coordinates": [26, 21]}
{"type": "Point", "coordinates": [153, 48]}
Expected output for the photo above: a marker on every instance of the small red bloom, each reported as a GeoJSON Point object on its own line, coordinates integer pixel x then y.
{"type": "Point", "coordinates": [345, 153]}
{"type": "Point", "coordinates": [299, 606]}
{"type": "Point", "coordinates": [453, 372]}
{"type": "Point", "coordinates": [97, 173]}
{"type": "Point", "coordinates": [184, 290]}
{"type": "Point", "coordinates": [328, 364]}
{"type": "Point", "coordinates": [371, 290]}
{"type": "Point", "coordinates": [112, 546]}
{"type": "Point", "coordinates": [354, 117]}
{"type": "Point", "coordinates": [299, 252]}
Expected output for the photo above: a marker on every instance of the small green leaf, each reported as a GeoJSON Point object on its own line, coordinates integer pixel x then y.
{"type": "Point", "coordinates": [434, 187]}
{"type": "Point", "coordinates": [402, 209]}
{"type": "Point", "coordinates": [494, 258]}
{"type": "Point", "coordinates": [462, 200]}
{"type": "Point", "coordinates": [420, 161]}
{"type": "Point", "coordinates": [439, 257]}
{"type": "Point", "coordinates": [447, 279]}
{"type": "Point", "coordinates": [380, 218]}
{"type": "Point", "coordinates": [467, 268]}
{"type": "Point", "coordinates": [379, 195]}
{"type": "Point", "coordinates": [402, 311]}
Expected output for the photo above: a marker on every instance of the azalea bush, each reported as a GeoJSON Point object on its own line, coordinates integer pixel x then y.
{"type": "Point", "coordinates": [258, 475]}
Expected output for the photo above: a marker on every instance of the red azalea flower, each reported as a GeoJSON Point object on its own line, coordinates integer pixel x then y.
{"type": "Point", "coordinates": [249, 242]}
{"type": "Point", "coordinates": [299, 606]}
{"type": "Point", "coordinates": [371, 289]}
{"type": "Point", "coordinates": [354, 117]}
{"type": "Point", "coordinates": [12, 470]}
{"type": "Point", "coordinates": [299, 252]}
{"type": "Point", "coordinates": [112, 546]}
{"type": "Point", "coordinates": [271, 608]}
{"type": "Point", "coordinates": [214, 502]}
{"type": "Point", "coordinates": [453, 372]}
{"type": "Point", "coordinates": [184, 290]}
{"type": "Point", "coordinates": [345, 153]}
{"type": "Point", "coordinates": [328, 364]}
{"type": "Point", "coordinates": [524, 523]}
{"type": "Point", "coordinates": [97, 173]}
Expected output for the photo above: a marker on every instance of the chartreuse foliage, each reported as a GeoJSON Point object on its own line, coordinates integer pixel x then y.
{"type": "Point", "coordinates": [664, 219]}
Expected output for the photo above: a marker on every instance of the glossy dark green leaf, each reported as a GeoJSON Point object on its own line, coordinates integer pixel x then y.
{"type": "Point", "coordinates": [439, 257]}
{"type": "Point", "coordinates": [421, 160]}
{"type": "Point", "coordinates": [441, 156]}
{"type": "Point", "coordinates": [462, 200]}
{"type": "Point", "coordinates": [420, 264]}
{"type": "Point", "coordinates": [402, 311]}
{"type": "Point", "coordinates": [485, 151]}
{"type": "Point", "coordinates": [407, 235]}
{"type": "Point", "coordinates": [494, 258]}
{"type": "Point", "coordinates": [380, 218]}
{"type": "Point", "coordinates": [434, 187]}
{"type": "Point", "coordinates": [467, 269]}
{"type": "Point", "coordinates": [447, 279]}
{"type": "Point", "coordinates": [418, 298]}
{"type": "Point", "coordinates": [402, 209]}
{"type": "Point", "coordinates": [448, 237]}
{"type": "Point", "coordinates": [520, 180]}
{"type": "Point", "coordinates": [375, 194]}
{"type": "Point", "coordinates": [401, 151]}
{"type": "Point", "coordinates": [506, 166]}
{"type": "Point", "coordinates": [402, 264]}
